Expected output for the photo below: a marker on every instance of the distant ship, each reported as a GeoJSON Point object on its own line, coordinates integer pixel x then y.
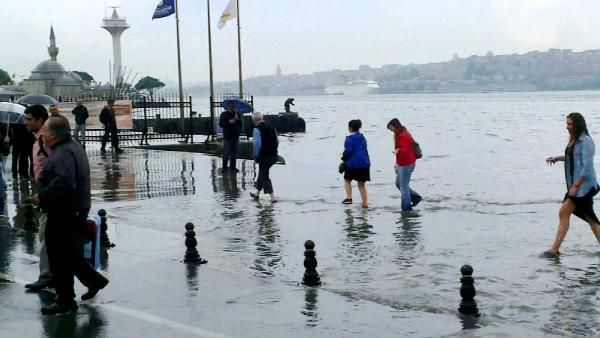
{"type": "Point", "coordinates": [354, 88]}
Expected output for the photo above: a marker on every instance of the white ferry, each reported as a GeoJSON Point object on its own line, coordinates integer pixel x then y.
{"type": "Point", "coordinates": [354, 88]}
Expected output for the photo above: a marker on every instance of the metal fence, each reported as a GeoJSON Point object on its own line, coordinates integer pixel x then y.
{"type": "Point", "coordinates": [163, 118]}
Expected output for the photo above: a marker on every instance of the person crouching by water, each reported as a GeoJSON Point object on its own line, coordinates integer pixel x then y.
{"type": "Point", "coordinates": [582, 184]}
{"type": "Point", "coordinates": [405, 164]}
{"type": "Point", "coordinates": [357, 163]}
{"type": "Point", "coordinates": [265, 144]}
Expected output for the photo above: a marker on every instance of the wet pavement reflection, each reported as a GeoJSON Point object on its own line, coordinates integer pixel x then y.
{"type": "Point", "coordinates": [407, 236]}
{"type": "Point", "coordinates": [268, 251]}
{"type": "Point", "coordinates": [140, 174]}
{"type": "Point", "coordinates": [311, 309]}
{"type": "Point", "coordinates": [384, 272]}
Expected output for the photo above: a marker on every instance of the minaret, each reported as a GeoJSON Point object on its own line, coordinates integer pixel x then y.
{"type": "Point", "coordinates": [52, 50]}
{"type": "Point", "coordinates": [278, 70]}
{"type": "Point", "coordinates": [116, 26]}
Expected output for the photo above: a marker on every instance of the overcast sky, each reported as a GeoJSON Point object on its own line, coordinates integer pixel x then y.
{"type": "Point", "coordinates": [302, 36]}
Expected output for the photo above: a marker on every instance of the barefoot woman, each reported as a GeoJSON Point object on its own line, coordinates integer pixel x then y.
{"type": "Point", "coordinates": [582, 184]}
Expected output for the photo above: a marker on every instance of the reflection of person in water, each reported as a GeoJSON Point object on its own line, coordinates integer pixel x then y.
{"type": "Point", "coordinates": [112, 178]}
{"type": "Point", "coordinates": [91, 325]}
{"type": "Point", "coordinates": [287, 104]}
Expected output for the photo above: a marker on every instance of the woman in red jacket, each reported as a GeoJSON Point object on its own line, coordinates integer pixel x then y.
{"type": "Point", "coordinates": [405, 163]}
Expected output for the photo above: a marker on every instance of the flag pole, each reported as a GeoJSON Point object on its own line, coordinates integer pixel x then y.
{"type": "Point", "coordinates": [210, 70]}
{"type": "Point", "coordinates": [179, 71]}
{"type": "Point", "coordinates": [237, 2]}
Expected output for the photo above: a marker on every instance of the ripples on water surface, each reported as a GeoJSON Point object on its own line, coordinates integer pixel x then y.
{"type": "Point", "coordinates": [489, 200]}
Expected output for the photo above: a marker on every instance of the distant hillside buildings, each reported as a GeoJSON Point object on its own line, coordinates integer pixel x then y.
{"type": "Point", "coordinates": [555, 69]}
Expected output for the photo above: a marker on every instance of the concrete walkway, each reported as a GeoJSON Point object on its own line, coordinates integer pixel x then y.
{"type": "Point", "coordinates": [154, 297]}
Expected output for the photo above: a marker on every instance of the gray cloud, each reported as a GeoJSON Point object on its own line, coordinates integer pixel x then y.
{"type": "Point", "coordinates": [301, 35]}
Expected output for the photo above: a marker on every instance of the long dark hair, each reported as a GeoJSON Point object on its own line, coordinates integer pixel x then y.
{"type": "Point", "coordinates": [579, 125]}
{"type": "Point", "coordinates": [398, 127]}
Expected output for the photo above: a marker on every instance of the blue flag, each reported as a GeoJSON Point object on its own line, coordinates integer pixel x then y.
{"type": "Point", "coordinates": [164, 9]}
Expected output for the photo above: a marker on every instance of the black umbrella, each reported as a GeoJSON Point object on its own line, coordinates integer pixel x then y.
{"type": "Point", "coordinates": [37, 99]}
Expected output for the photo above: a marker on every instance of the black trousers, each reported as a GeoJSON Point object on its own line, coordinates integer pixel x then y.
{"type": "Point", "coordinates": [114, 136]}
{"type": "Point", "coordinates": [65, 254]}
{"type": "Point", "coordinates": [22, 161]}
{"type": "Point", "coordinates": [263, 182]}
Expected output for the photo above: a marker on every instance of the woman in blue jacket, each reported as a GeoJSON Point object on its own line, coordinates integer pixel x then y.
{"type": "Point", "coordinates": [582, 184]}
{"type": "Point", "coordinates": [357, 164]}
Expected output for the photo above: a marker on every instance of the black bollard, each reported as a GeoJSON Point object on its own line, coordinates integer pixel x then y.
{"type": "Point", "coordinates": [468, 305]}
{"type": "Point", "coordinates": [191, 254]}
{"type": "Point", "coordinates": [104, 241]}
{"type": "Point", "coordinates": [311, 276]}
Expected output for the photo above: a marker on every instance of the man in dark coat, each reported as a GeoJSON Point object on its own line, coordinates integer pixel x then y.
{"type": "Point", "coordinates": [231, 122]}
{"type": "Point", "coordinates": [107, 118]}
{"type": "Point", "coordinates": [81, 115]}
{"type": "Point", "coordinates": [64, 193]}
{"type": "Point", "coordinates": [265, 144]}
{"type": "Point", "coordinates": [22, 143]}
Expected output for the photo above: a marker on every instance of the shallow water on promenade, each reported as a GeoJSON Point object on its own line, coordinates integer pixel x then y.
{"type": "Point", "coordinates": [489, 201]}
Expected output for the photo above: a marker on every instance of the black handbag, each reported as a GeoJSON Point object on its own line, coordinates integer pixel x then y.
{"type": "Point", "coordinates": [342, 167]}
{"type": "Point", "coordinates": [417, 149]}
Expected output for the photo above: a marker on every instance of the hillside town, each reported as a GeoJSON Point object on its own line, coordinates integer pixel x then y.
{"type": "Point", "coordinates": [554, 69]}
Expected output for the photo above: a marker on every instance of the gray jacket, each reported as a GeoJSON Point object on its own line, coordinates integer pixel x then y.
{"type": "Point", "coordinates": [64, 184]}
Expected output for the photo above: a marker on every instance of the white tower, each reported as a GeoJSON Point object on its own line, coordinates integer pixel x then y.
{"type": "Point", "coordinates": [116, 26]}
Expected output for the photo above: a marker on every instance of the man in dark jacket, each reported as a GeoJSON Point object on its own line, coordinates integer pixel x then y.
{"type": "Point", "coordinates": [231, 122]}
{"type": "Point", "coordinates": [265, 144]}
{"type": "Point", "coordinates": [81, 115]}
{"type": "Point", "coordinates": [107, 118]}
{"type": "Point", "coordinates": [64, 193]}
{"type": "Point", "coordinates": [22, 142]}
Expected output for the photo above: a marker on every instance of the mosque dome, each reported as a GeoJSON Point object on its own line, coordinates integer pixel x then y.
{"type": "Point", "coordinates": [66, 80]}
{"type": "Point", "coordinates": [75, 77]}
{"type": "Point", "coordinates": [49, 66]}
{"type": "Point", "coordinates": [47, 70]}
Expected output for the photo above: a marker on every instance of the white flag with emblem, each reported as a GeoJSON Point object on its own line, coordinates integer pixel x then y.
{"type": "Point", "coordinates": [229, 13]}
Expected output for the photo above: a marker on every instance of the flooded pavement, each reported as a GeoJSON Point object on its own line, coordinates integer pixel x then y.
{"type": "Point", "coordinates": [490, 201]}
{"type": "Point", "coordinates": [153, 294]}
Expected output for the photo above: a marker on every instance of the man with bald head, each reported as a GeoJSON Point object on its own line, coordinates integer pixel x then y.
{"type": "Point", "coordinates": [265, 144]}
{"type": "Point", "coordinates": [64, 193]}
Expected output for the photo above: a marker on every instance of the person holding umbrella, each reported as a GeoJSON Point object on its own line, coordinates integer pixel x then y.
{"type": "Point", "coordinates": [231, 122]}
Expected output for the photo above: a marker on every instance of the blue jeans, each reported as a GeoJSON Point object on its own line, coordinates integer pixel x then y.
{"type": "Point", "coordinates": [409, 196]}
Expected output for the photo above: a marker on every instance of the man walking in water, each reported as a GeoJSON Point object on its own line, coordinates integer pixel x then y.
{"type": "Point", "coordinates": [231, 122]}
{"type": "Point", "coordinates": [64, 193]}
{"type": "Point", "coordinates": [35, 117]}
{"type": "Point", "coordinates": [265, 154]}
